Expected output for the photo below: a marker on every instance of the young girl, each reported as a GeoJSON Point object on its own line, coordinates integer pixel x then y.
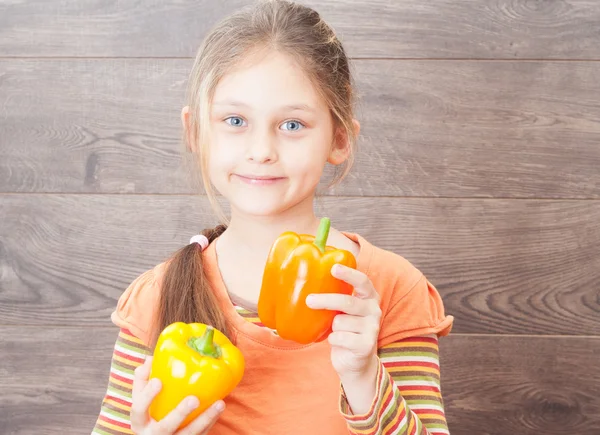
{"type": "Point", "coordinates": [270, 103]}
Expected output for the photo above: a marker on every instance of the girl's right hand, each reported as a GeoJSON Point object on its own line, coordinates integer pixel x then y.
{"type": "Point", "coordinates": [144, 392]}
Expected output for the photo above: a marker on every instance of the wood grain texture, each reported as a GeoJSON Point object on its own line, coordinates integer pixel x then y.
{"type": "Point", "coordinates": [498, 385]}
{"type": "Point", "coordinates": [492, 385]}
{"type": "Point", "coordinates": [53, 379]}
{"type": "Point", "coordinates": [502, 266]}
{"type": "Point", "coordinates": [509, 29]}
{"type": "Point", "coordinates": [441, 129]}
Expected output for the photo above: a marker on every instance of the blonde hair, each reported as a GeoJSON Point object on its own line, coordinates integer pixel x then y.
{"type": "Point", "coordinates": [279, 25]}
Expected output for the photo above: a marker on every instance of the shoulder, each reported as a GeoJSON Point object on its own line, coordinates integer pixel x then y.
{"type": "Point", "coordinates": [394, 270]}
{"type": "Point", "coordinates": [136, 307]}
{"type": "Point", "coordinates": [392, 275]}
{"type": "Point", "coordinates": [410, 303]}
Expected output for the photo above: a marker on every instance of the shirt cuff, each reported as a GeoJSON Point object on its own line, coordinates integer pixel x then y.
{"type": "Point", "coordinates": [362, 419]}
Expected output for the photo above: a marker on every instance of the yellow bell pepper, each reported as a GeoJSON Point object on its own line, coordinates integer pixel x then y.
{"type": "Point", "coordinates": [193, 359]}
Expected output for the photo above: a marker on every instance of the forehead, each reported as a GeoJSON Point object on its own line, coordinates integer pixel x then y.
{"type": "Point", "coordinates": [269, 80]}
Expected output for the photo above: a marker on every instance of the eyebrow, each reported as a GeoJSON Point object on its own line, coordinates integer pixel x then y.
{"type": "Point", "coordinates": [290, 107]}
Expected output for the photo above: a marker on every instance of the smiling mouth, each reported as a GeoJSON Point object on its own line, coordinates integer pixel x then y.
{"type": "Point", "coordinates": [259, 180]}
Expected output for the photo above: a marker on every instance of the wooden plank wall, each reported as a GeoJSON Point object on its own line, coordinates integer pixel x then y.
{"type": "Point", "coordinates": [479, 162]}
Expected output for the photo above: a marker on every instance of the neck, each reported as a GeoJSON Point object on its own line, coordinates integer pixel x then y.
{"type": "Point", "coordinates": [257, 233]}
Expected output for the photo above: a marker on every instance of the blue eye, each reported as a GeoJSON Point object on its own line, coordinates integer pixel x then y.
{"type": "Point", "coordinates": [236, 121]}
{"type": "Point", "coordinates": [293, 125]}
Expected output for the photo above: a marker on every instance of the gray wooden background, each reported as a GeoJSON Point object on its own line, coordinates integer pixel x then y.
{"type": "Point", "coordinates": [479, 162]}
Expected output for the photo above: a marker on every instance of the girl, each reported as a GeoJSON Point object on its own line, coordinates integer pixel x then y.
{"type": "Point", "coordinates": [270, 103]}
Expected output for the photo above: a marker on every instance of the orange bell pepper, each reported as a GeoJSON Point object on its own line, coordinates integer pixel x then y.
{"type": "Point", "coordinates": [298, 265]}
{"type": "Point", "coordinates": [193, 359]}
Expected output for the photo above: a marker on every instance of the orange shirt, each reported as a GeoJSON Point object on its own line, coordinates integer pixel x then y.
{"type": "Point", "coordinates": [291, 388]}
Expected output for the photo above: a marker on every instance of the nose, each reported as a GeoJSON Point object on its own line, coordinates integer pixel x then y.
{"type": "Point", "coordinates": [262, 147]}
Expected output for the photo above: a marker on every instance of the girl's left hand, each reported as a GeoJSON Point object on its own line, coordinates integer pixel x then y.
{"type": "Point", "coordinates": [355, 332]}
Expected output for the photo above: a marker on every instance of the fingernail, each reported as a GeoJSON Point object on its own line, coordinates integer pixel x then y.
{"type": "Point", "coordinates": [192, 402]}
{"type": "Point", "coordinates": [310, 300]}
{"type": "Point", "coordinates": [220, 406]}
{"type": "Point", "coordinates": [336, 269]}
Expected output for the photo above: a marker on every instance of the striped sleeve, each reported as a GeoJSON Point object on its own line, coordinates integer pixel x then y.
{"type": "Point", "coordinates": [129, 353]}
{"type": "Point", "coordinates": [408, 399]}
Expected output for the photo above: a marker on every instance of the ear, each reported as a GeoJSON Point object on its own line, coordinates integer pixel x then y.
{"type": "Point", "coordinates": [341, 145]}
{"type": "Point", "coordinates": [185, 122]}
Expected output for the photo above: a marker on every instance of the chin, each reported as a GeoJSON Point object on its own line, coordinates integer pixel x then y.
{"type": "Point", "coordinates": [260, 204]}
{"type": "Point", "coordinates": [263, 202]}
{"type": "Point", "coordinates": [258, 209]}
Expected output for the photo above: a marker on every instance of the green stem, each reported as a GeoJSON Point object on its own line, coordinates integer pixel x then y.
{"type": "Point", "coordinates": [205, 345]}
{"type": "Point", "coordinates": [322, 234]}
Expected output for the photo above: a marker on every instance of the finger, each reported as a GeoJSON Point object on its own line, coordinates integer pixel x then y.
{"type": "Point", "coordinates": [347, 323]}
{"type": "Point", "coordinates": [140, 407]}
{"type": "Point", "coordinates": [363, 287]}
{"type": "Point", "coordinates": [204, 421]}
{"type": "Point", "coordinates": [173, 420]}
{"type": "Point", "coordinates": [143, 392]}
{"type": "Point", "coordinates": [140, 378]}
{"type": "Point", "coordinates": [347, 340]}
{"type": "Point", "coordinates": [344, 303]}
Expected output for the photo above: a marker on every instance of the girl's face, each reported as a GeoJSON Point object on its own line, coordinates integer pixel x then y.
{"type": "Point", "coordinates": [271, 135]}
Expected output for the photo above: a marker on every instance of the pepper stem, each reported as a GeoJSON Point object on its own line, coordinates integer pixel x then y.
{"type": "Point", "coordinates": [205, 345]}
{"type": "Point", "coordinates": [322, 234]}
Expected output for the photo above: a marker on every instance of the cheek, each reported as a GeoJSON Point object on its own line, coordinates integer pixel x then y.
{"type": "Point", "coordinates": [308, 159]}
{"type": "Point", "coordinates": [218, 168]}
{"type": "Point", "coordinates": [223, 155]}
{"type": "Point", "coordinates": [305, 167]}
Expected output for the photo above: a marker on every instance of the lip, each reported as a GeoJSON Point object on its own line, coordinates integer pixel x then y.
{"type": "Point", "coordinates": [258, 180]}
